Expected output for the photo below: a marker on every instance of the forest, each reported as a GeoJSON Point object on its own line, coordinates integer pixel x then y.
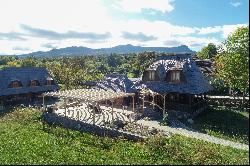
{"type": "Point", "coordinates": [70, 72]}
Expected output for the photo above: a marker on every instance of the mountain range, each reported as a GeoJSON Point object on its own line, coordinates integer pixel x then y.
{"type": "Point", "coordinates": [120, 49]}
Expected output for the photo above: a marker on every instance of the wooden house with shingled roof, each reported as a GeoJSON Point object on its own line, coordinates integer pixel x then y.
{"type": "Point", "coordinates": [24, 83]}
{"type": "Point", "coordinates": [175, 80]}
{"type": "Point", "coordinates": [178, 79]}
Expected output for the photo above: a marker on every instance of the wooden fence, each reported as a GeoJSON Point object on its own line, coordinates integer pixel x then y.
{"type": "Point", "coordinates": [228, 101]}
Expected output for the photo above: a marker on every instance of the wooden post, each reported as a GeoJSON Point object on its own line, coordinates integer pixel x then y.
{"type": "Point", "coordinates": [78, 116]}
{"type": "Point", "coordinates": [112, 111]}
{"type": "Point", "coordinates": [93, 112]}
{"type": "Point", "coordinates": [143, 103]}
{"type": "Point", "coordinates": [65, 107]}
{"type": "Point", "coordinates": [153, 101]}
{"type": "Point", "coordinates": [133, 103]}
{"type": "Point", "coordinates": [88, 106]}
{"type": "Point", "coordinates": [43, 103]}
{"type": "Point", "coordinates": [104, 120]}
{"type": "Point", "coordinates": [164, 105]}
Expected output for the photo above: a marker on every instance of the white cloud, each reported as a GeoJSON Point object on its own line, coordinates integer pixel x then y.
{"type": "Point", "coordinates": [225, 30]}
{"type": "Point", "coordinates": [235, 4]}
{"type": "Point", "coordinates": [60, 18]}
{"type": "Point", "coordinates": [137, 5]}
{"type": "Point", "coordinates": [208, 30]}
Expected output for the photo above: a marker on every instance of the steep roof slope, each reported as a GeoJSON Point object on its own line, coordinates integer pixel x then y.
{"type": "Point", "coordinates": [196, 82]}
{"type": "Point", "coordinates": [25, 75]}
{"type": "Point", "coordinates": [117, 83]}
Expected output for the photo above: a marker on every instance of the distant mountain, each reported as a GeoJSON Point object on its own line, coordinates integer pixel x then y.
{"type": "Point", "coordinates": [121, 49]}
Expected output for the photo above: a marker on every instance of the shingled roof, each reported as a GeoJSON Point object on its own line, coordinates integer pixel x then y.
{"type": "Point", "coordinates": [24, 75]}
{"type": "Point", "coordinates": [116, 83]}
{"type": "Point", "coordinates": [195, 83]}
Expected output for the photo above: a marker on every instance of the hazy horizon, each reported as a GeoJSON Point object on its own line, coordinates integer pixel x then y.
{"type": "Point", "coordinates": [41, 25]}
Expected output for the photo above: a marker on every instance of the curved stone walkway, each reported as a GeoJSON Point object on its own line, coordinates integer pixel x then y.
{"type": "Point", "coordinates": [192, 134]}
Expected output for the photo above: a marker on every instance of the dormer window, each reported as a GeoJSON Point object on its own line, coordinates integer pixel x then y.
{"type": "Point", "coordinates": [49, 81]}
{"type": "Point", "coordinates": [34, 83]}
{"type": "Point", "coordinates": [15, 84]}
{"type": "Point", "coordinates": [151, 75]}
{"type": "Point", "coordinates": [175, 76]}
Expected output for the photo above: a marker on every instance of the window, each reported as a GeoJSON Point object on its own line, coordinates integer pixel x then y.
{"type": "Point", "coordinates": [34, 83]}
{"type": "Point", "coordinates": [48, 82]}
{"type": "Point", "coordinates": [151, 76]}
{"type": "Point", "coordinates": [15, 84]}
{"type": "Point", "coordinates": [175, 76]}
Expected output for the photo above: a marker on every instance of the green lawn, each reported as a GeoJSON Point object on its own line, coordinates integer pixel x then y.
{"type": "Point", "coordinates": [224, 123]}
{"type": "Point", "coordinates": [23, 141]}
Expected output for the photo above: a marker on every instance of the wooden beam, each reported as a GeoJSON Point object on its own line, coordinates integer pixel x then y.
{"type": "Point", "coordinates": [112, 111]}
{"type": "Point", "coordinates": [164, 105]}
{"type": "Point", "coordinates": [133, 103]}
{"type": "Point", "coordinates": [93, 113]}
{"type": "Point", "coordinates": [43, 103]}
{"type": "Point", "coordinates": [65, 107]}
{"type": "Point", "coordinates": [153, 101]}
{"type": "Point", "coordinates": [142, 103]}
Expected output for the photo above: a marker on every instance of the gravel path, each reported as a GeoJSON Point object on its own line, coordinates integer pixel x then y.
{"type": "Point", "coordinates": [192, 134]}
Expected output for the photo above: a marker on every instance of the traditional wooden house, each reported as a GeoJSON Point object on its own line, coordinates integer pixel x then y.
{"type": "Point", "coordinates": [175, 80]}
{"type": "Point", "coordinates": [24, 83]}
{"type": "Point", "coordinates": [178, 79]}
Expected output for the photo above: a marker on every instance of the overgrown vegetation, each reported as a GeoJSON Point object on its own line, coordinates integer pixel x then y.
{"type": "Point", "coordinates": [232, 62]}
{"type": "Point", "coordinates": [23, 141]}
{"type": "Point", "coordinates": [224, 123]}
{"type": "Point", "coordinates": [207, 52]}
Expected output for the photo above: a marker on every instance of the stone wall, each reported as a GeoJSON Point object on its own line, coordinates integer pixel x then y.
{"type": "Point", "coordinates": [54, 119]}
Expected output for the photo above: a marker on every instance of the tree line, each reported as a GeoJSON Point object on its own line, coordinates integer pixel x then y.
{"type": "Point", "coordinates": [230, 58]}
{"type": "Point", "coordinates": [231, 61]}
{"type": "Point", "coordinates": [70, 71]}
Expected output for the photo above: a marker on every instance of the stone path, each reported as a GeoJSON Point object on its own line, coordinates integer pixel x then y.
{"type": "Point", "coordinates": [192, 134]}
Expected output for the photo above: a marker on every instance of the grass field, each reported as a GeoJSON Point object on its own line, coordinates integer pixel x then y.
{"type": "Point", "coordinates": [223, 123]}
{"type": "Point", "coordinates": [23, 141]}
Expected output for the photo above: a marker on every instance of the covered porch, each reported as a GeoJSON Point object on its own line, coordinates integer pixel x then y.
{"type": "Point", "coordinates": [168, 102]}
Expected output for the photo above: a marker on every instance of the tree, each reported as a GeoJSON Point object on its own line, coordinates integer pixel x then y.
{"type": "Point", "coordinates": [207, 52]}
{"type": "Point", "coordinates": [232, 63]}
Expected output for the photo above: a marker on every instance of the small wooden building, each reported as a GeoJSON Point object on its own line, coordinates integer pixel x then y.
{"type": "Point", "coordinates": [24, 83]}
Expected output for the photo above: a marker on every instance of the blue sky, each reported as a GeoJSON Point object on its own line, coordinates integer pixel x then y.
{"type": "Point", "coordinates": [198, 13]}
{"type": "Point", "coordinates": [46, 24]}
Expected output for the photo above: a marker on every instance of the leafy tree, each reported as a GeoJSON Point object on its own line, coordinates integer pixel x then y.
{"type": "Point", "coordinates": [207, 52]}
{"type": "Point", "coordinates": [29, 62]}
{"type": "Point", "coordinates": [13, 63]}
{"type": "Point", "coordinates": [232, 63]}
